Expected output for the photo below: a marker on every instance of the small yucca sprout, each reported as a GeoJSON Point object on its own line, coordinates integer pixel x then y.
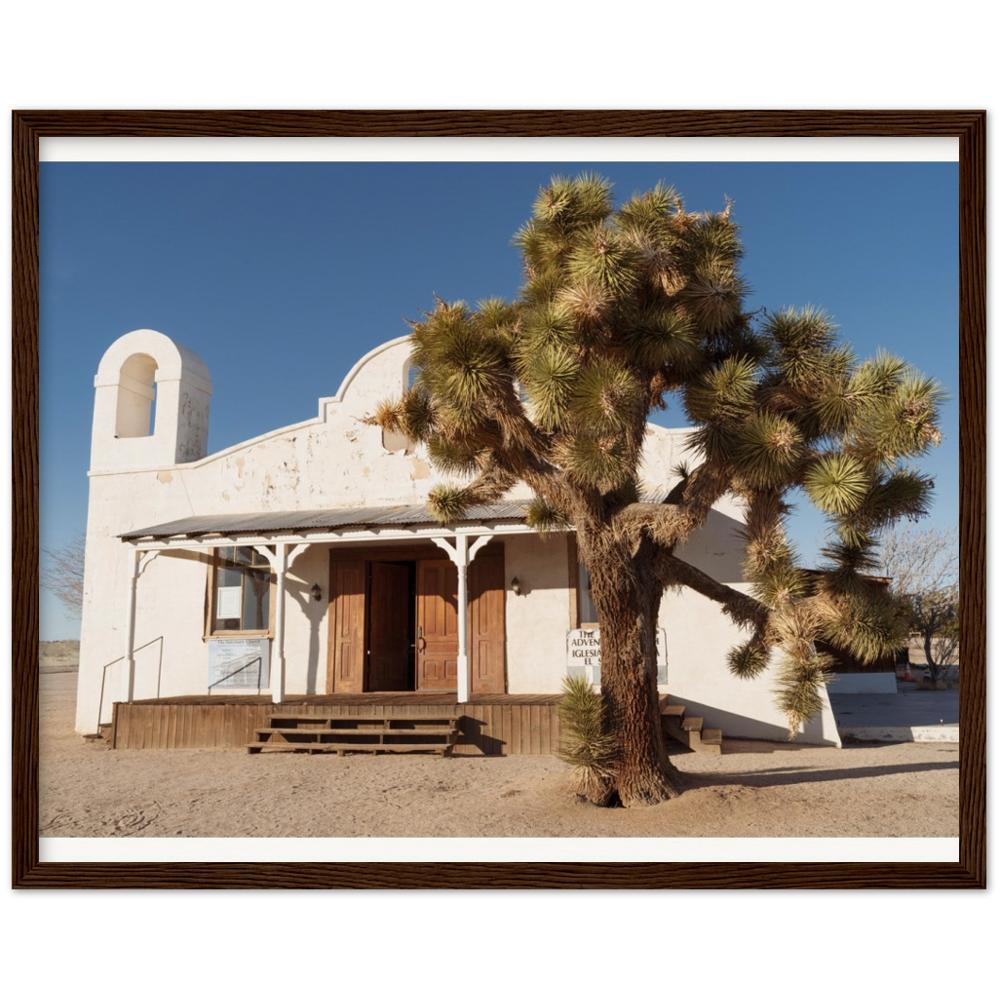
{"type": "Point", "coordinates": [585, 742]}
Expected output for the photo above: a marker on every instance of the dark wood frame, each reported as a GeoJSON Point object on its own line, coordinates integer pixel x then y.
{"type": "Point", "coordinates": [968, 126]}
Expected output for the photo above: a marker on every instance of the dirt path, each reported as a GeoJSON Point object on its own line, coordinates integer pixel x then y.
{"type": "Point", "coordinates": [755, 789]}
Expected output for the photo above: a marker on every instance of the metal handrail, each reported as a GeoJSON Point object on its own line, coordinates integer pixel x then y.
{"type": "Point", "coordinates": [104, 672]}
{"type": "Point", "coordinates": [259, 660]}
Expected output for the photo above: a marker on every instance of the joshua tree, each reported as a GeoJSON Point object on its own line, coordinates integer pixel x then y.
{"type": "Point", "coordinates": [621, 307]}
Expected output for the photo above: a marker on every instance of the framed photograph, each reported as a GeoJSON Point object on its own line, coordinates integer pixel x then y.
{"type": "Point", "coordinates": [243, 601]}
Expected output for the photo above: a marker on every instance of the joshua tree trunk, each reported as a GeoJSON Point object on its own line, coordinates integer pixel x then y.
{"type": "Point", "coordinates": [627, 596]}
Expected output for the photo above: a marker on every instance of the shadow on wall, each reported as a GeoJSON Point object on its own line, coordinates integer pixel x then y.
{"type": "Point", "coordinates": [742, 726]}
{"type": "Point", "coordinates": [716, 548]}
{"type": "Point", "coordinates": [313, 611]}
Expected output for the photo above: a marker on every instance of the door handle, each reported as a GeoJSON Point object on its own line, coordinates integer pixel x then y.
{"type": "Point", "coordinates": [421, 641]}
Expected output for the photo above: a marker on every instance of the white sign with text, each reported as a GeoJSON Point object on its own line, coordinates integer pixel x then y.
{"type": "Point", "coordinates": [239, 663]}
{"type": "Point", "coordinates": [583, 654]}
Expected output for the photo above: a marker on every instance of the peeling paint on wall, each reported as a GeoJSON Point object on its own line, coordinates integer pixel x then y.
{"type": "Point", "coordinates": [395, 442]}
{"type": "Point", "coordinates": [421, 470]}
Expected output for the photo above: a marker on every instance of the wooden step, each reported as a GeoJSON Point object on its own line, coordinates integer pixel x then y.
{"type": "Point", "coordinates": [325, 720]}
{"type": "Point", "coordinates": [421, 731]}
{"type": "Point", "coordinates": [341, 748]}
{"type": "Point", "coordinates": [689, 731]}
{"type": "Point", "coordinates": [357, 733]}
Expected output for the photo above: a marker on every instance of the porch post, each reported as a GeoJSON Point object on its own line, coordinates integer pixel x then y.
{"type": "Point", "coordinates": [128, 681]}
{"type": "Point", "coordinates": [461, 554]}
{"type": "Point", "coordinates": [278, 675]}
{"type": "Point", "coordinates": [462, 563]}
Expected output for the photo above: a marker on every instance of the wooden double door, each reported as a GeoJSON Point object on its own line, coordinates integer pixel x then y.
{"type": "Point", "coordinates": [394, 621]}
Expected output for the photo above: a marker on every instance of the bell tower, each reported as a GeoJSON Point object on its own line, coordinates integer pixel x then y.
{"type": "Point", "coordinates": [151, 404]}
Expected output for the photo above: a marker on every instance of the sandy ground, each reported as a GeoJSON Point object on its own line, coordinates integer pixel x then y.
{"type": "Point", "coordinates": [754, 789]}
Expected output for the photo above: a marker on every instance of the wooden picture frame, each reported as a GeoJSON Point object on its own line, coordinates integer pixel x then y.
{"type": "Point", "coordinates": [968, 126]}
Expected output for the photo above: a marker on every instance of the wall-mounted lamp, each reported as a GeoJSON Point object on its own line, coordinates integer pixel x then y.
{"type": "Point", "coordinates": [316, 592]}
{"type": "Point", "coordinates": [515, 585]}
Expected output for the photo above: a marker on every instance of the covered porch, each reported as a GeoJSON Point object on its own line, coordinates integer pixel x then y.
{"type": "Point", "coordinates": [410, 609]}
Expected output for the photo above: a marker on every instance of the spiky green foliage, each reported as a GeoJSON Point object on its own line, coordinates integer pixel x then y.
{"type": "Point", "coordinates": [767, 449]}
{"type": "Point", "coordinates": [586, 743]}
{"type": "Point", "coordinates": [624, 307]}
{"type": "Point", "coordinates": [836, 483]}
{"type": "Point", "coordinates": [544, 517]}
{"type": "Point", "coordinates": [448, 503]}
{"type": "Point", "coordinates": [749, 659]}
{"type": "Point", "coordinates": [797, 692]}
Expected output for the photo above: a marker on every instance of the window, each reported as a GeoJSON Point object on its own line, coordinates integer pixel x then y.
{"type": "Point", "coordinates": [241, 591]}
{"type": "Point", "coordinates": [582, 612]}
{"type": "Point", "coordinates": [586, 613]}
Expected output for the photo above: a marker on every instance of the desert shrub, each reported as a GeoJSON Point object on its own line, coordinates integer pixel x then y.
{"type": "Point", "coordinates": [586, 744]}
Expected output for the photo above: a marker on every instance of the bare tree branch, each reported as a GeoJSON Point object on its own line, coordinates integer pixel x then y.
{"type": "Point", "coordinates": [923, 564]}
{"type": "Point", "coordinates": [919, 560]}
{"type": "Point", "coordinates": [64, 574]}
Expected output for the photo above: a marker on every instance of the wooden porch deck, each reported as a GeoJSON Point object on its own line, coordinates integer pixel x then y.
{"type": "Point", "coordinates": [498, 724]}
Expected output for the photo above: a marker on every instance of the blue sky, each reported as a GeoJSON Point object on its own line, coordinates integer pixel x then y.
{"type": "Point", "coordinates": [281, 275]}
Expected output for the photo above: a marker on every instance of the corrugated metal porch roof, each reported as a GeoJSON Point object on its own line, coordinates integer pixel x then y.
{"type": "Point", "coordinates": [319, 520]}
{"type": "Point", "coordinates": [408, 515]}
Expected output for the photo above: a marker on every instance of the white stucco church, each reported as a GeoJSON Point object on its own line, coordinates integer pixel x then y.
{"type": "Point", "coordinates": [303, 563]}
